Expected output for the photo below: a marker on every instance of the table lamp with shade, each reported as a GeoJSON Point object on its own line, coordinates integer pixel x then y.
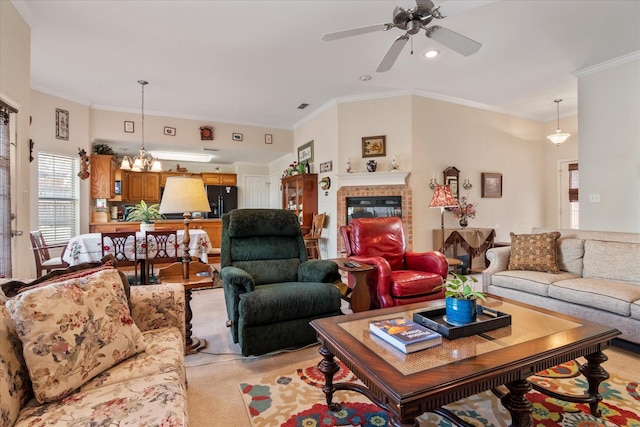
{"type": "Point", "coordinates": [184, 194]}
{"type": "Point", "coordinates": [442, 198]}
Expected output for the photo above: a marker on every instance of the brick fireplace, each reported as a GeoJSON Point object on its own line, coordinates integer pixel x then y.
{"type": "Point", "coordinates": [377, 190]}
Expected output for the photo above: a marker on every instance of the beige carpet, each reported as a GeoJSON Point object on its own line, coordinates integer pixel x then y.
{"type": "Point", "coordinates": [214, 374]}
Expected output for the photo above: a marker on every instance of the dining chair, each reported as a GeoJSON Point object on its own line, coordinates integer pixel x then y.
{"type": "Point", "coordinates": [311, 240]}
{"type": "Point", "coordinates": [161, 247]}
{"type": "Point", "coordinates": [123, 245]}
{"type": "Point", "coordinates": [44, 261]}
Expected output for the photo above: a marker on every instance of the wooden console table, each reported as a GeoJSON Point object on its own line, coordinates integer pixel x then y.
{"type": "Point", "coordinates": [474, 241]}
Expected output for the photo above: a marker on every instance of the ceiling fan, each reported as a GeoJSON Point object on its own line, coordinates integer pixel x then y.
{"type": "Point", "coordinates": [412, 21]}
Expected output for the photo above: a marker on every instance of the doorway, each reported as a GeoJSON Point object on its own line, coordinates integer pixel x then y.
{"type": "Point", "coordinates": [568, 205]}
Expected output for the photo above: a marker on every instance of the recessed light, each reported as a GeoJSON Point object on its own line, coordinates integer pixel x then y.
{"type": "Point", "coordinates": [431, 53]}
{"type": "Point", "coordinates": [364, 78]}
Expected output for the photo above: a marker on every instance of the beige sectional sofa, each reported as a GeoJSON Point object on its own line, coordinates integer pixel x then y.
{"type": "Point", "coordinates": [80, 352]}
{"type": "Point", "coordinates": [599, 279]}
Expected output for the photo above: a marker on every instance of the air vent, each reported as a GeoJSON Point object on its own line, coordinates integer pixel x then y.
{"type": "Point", "coordinates": [302, 106]}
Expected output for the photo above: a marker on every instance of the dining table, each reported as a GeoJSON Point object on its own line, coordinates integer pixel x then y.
{"type": "Point", "coordinates": [87, 247]}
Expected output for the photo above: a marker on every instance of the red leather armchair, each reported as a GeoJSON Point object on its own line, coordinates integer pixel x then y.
{"type": "Point", "coordinates": [399, 277]}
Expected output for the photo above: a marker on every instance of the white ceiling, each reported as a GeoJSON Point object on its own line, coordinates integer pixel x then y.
{"type": "Point", "coordinates": [254, 62]}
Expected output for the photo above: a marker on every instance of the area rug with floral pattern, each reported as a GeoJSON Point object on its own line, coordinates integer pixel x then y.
{"type": "Point", "coordinates": [295, 399]}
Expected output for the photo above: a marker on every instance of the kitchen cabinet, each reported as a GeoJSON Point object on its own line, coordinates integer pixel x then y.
{"type": "Point", "coordinates": [300, 196]}
{"type": "Point", "coordinates": [138, 186]}
{"type": "Point", "coordinates": [165, 175]}
{"type": "Point", "coordinates": [103, 176]}
{"type": "Point", "coordinates": [213, 227]}
{"type": "Point", "coordinates": [219, 178]}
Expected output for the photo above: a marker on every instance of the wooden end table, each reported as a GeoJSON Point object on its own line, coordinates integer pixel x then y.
{"type": "Point", "coordinates": [200, 276]}
{"type": "Point", "coordinates": [360, 297]}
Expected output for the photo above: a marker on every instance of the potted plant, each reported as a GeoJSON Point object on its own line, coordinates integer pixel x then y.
{"type": "Point", "coordinates": [145, 214]}
{"type": "Point", "coordinates": [460, 299]}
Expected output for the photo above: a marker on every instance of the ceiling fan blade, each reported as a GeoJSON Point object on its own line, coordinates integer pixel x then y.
{"type": "Point", "coordinates": [425, 3]}
{"type": "Point", "coordinates": [355, 31]}
{"type": "Point", "coordinates": [455, 41]}
{"type": "Point", "coordinates": [392, 54]}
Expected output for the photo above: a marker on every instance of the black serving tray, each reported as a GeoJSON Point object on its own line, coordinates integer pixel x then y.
{"type": "Point", "coordinates": [487, 319]}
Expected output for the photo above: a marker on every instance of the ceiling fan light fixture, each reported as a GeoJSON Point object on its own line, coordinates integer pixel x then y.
{"type": "Point", "coordinates": [558, 137]}
{"type": "Point", "coordinates": [431, 53]}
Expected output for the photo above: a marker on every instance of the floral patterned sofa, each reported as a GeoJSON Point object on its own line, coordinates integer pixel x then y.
{"type": "Point", "coordinates": [83, 349]}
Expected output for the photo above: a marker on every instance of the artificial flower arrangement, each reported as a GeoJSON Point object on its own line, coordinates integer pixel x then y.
{"type": "Point", "coordinates": [294, 168]}
{"type": "Point", "coordinates": [464, 209]}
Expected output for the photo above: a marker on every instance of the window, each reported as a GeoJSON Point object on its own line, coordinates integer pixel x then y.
{"type": "Point", "coordinates": [574, 206]}
{"type": "Point", "coordinates": [7, 124]}
{"type": "Point", "coordinates": [58, 197]}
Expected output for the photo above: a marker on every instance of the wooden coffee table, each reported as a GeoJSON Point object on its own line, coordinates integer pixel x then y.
{"type": "Point", "coordinates": [407, 385]}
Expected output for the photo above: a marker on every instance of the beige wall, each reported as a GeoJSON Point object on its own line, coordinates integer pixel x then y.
{"type": "Point", "coordinates": [15, 67]}
{"type": "Point", "coordinates": [476, 141]}
{"type": "Point", "coordinates": [323, 130]}
{"type": "Point", "coordinates": [609, 111]}
{"type": "Point", "coordinates": [43, 133]}
{"type": "Point", "coordinates": [109, 126]}
{"type": "Point", "coordinates": [427, 136]}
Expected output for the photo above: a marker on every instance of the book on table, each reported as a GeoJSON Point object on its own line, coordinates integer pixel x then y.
{"type": "Point", "coordinates": [405, 334]}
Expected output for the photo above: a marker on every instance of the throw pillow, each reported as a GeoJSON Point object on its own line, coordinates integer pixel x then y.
{"type": "Point", "coordinates": [534, 252]}
{"type": "Point", "coordinates": [73, 330]}
{"type": "Point", "coordinates": [14, 287]}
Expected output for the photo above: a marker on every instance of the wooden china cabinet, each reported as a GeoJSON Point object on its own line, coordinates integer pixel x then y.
{"type": "Point", "coordinates": [300, 196]}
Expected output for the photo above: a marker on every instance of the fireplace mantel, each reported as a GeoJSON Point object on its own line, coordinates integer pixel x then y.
{"type": "Point", "coordinates": [395, 177]}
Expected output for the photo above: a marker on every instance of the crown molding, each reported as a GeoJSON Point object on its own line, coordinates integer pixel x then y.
{"type": "Point", "coordinates": [633, 56]}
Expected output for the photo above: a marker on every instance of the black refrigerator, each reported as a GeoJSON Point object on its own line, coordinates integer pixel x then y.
{"type": "Point", "coordinates": [222, 198]}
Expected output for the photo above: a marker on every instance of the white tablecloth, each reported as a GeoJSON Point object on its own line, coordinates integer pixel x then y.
{"type": "Point", "coordinates": [86, 247]}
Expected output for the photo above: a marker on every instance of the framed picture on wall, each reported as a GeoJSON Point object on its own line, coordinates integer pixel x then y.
{"type": "Point", "coordinates": [491, 185]}
{"type": "Point", "coordinates": [62, 124]}
{"type": "Point", "coordinates": [305, 153]}
{"type": "Point", "coordinates": [374, 146]}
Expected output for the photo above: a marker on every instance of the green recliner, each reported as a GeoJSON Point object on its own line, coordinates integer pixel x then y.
{"type": "Point", "coordinates": [271, 290]}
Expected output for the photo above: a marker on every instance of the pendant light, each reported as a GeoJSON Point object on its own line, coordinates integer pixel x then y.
{"type": "Point", "coordinates": [142, 161]}
{"type": "Point", "coordinates": [558, 137]}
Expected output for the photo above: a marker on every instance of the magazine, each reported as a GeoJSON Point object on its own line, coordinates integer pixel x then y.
{"type": "Point", "coordinates": [404, 334]}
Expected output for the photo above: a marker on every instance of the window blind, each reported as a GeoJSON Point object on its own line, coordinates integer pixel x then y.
{"type": "Point", "coordinates": [574, 181]}
{"type": "Point", "coordinates": [58, 197]}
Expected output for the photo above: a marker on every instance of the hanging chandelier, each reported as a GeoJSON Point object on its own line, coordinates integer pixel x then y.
{"type": "Point", "coordinates": [141, 162]}
{"type": "Point", "coordinates": [558, 137]}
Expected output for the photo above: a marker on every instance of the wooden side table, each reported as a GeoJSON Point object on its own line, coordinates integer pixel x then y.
{"type": "Point", "coordinates": [360, 298]}
{"type": "Point", "coordinates": [200, 276]}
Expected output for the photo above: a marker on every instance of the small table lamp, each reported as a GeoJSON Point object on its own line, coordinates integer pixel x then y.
{"type": "Point", "coordinates": [184, 194]}
{"type": "Point", "coordinates": [442, 198]}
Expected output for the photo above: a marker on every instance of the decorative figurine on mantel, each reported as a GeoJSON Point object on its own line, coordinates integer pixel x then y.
{"type": "Point", "coordinates": [348, 165]}
{"type": "Point", "coordinates": [372, 165]}
{"type": "Point", "coordinates": [394, 163]}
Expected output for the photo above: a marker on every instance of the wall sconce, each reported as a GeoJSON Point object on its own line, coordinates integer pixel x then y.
{"type": "Point", "coordinates": [325, 183]}
{"type": "Point", "coordinates": [433, 183]}
{"type": "Point", "coordinates": [467, 184]}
